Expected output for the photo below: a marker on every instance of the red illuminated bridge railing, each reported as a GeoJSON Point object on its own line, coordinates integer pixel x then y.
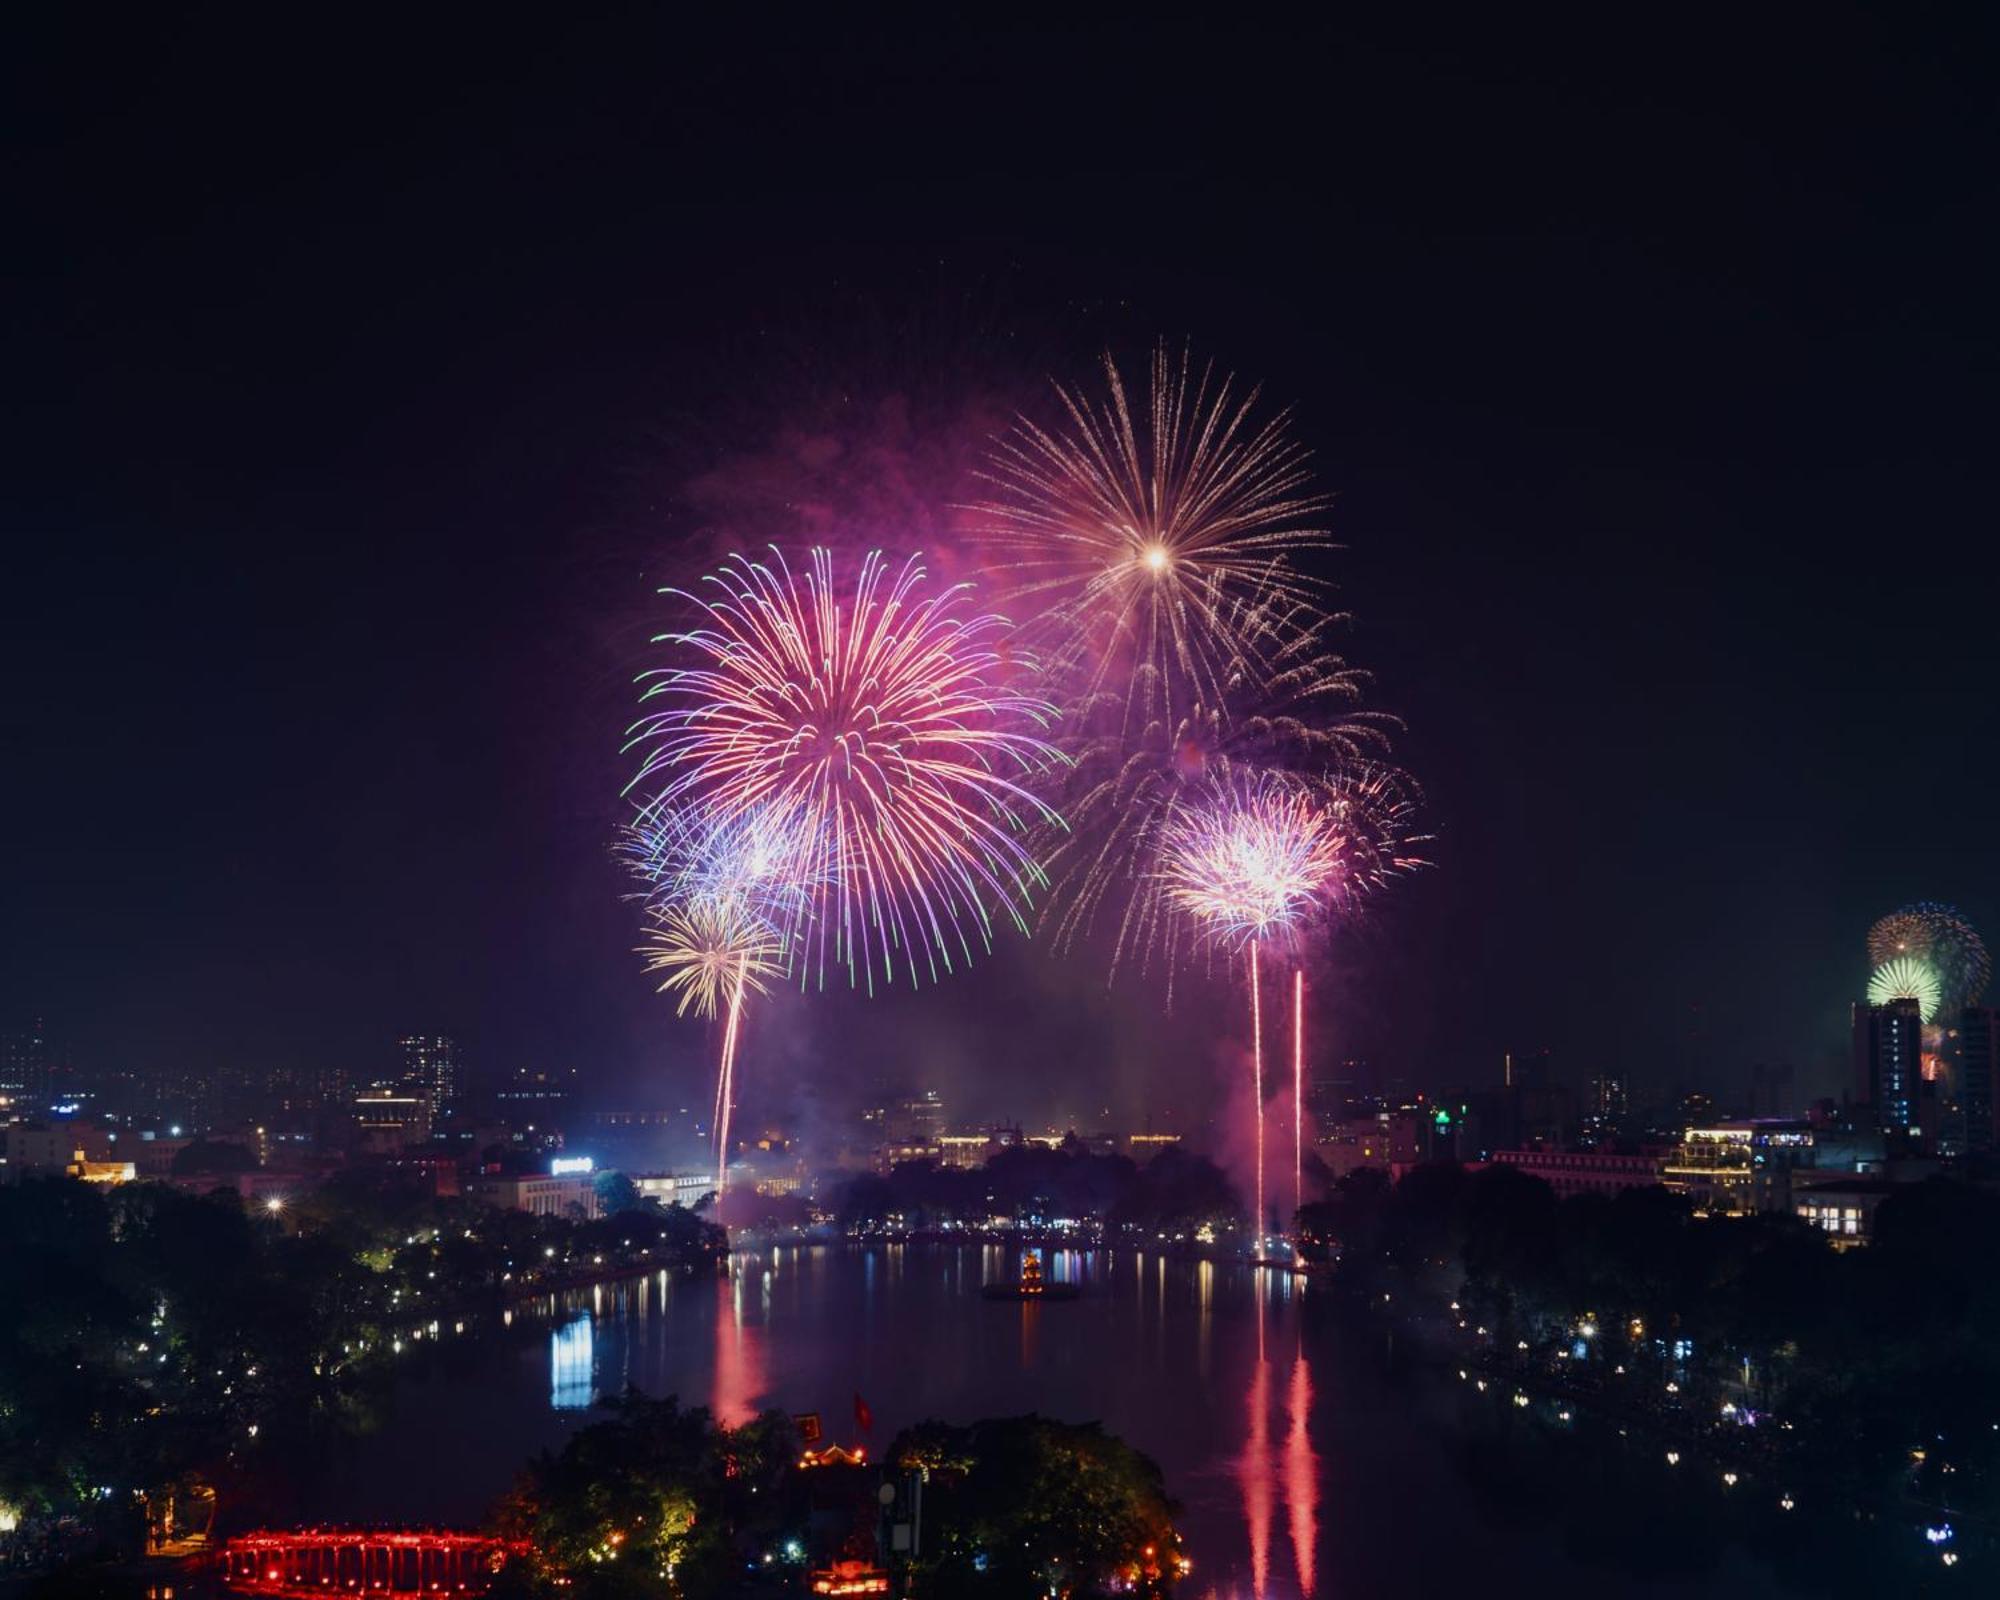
{"type": "Point", "coordinates": [361, 1561]}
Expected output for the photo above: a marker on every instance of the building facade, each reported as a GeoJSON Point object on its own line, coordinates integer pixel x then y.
{"type": "Point", "coordinates": [540, 1194]}
{"type": "Point", "coordinates": [430, 1069]}
{"type": "Point", "coordinates": [1888, 1063]}
{"type": "Point", "coordinates": [1573, 1172]}
{"type": "Point", "coordinates": [1715, 1168]}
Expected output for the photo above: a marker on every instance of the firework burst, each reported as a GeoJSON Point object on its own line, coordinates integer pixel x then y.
{"type": "Point", "coordinates": [1907, 978]}
{"type": "Point", "coordinates": [1254, 865]}
{"type": "Point", "coordinates": [1301, 714]}
{"type": "Point", "coordinates": [1264, 858]}
{"type": "Point", "coordinates": [1137, 538]}
{"type": "Point", "coordinates": [877, 726]}
{"type": "Point", "coordinates": [1942, 940]}
{"type": "Point", "coordinates": [714, 950]}
{"type": "Point", "coordinates": [683, 856]}
{"type": "Point", "coordinates": [708, 952]}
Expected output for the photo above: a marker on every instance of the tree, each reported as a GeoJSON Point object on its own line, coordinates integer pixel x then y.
{"type": "Point", "coordinates": [617, 1193]}
{"type": "Point", "coordinates": [1027, 1505]}
{"type": "Point", "coordinates": [651, 1501]}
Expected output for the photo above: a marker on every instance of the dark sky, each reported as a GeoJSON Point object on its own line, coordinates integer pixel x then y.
{"type": "Point", "coordinates": [361, 367]}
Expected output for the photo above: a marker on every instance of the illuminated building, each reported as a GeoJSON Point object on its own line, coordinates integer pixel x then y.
{"type": "Point", "coordinates": [965, 1150]}
{"type": "Point", "coordinates": [903, 1126]}
{"type": "Point", "coordinates": [906, 1118]}
{"type": "Point", "coordinates": [540, 1194]}
{"type": "Point", "coordinates": [1845, 1208]}
{"type": "Point", "coordinates": [1571, 1172]}
{"type": "Point", "coordinates": [1356, 1143]}
{"type": "Point", "coordinates": [1715, 1168]}
{"type": "Point", "coordinates": [103, 1173]}
{"type": "Point", "coordinates": [388, 1119]}
{"type": "Point", "coordinates": [674, 1188]}
{"type": "Point", "coordinates": [1888, 1062]}
{"type": "Point", "coordinates": [430, 1069]}
{"type": "Point", "coordinates": [46, 1148]}
{"type": "Point", "coordinates": [535, 1097]}
{"type": "Point", "coordinates": [1147, 1145]}
{"type": "Point", "coordinates": [1606, 1107]}
{"type": "Point", "coordinates": [1780, 1147]}
{"type": "Point", "coordinates": [26, 1075]}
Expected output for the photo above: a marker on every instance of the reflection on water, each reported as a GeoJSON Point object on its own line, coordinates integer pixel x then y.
{"type": "Point", "coordinates": [1254, 1469]}
{"type": "Point", "coordinates": [1302, 1475]}
{"type": "Point", "coordinates": [572, 1365]}
{"type": "Point", "coordinates": [1261, 1476]}
{"type": "Point", "coordinates": [739, 1363]}
{"type": "Point", "coordinates": [1261, 1398]}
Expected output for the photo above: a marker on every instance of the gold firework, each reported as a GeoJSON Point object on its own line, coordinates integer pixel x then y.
{"type": "Point", "coordinates": [1148, 550]}
{"type": "Point", "coordinates": [711, 951]}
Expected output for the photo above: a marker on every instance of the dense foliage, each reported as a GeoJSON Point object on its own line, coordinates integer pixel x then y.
{"type": "Point", "coordinates": [660, 1501]}
{"type": "Point", "coordinates": [1030, 1506]}
{"type": "Point", "coordinates": [150, 1337]}
{"type": "Point", "coordinates": [1892, 1349]}
{"type": "Point", "coordinates": [653, 1501]}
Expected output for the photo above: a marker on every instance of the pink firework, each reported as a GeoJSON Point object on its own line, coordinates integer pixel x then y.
{"type": "Point", "coordinates": [878, 720]}
{"type": "Point", "coordinates": [1252, 862]}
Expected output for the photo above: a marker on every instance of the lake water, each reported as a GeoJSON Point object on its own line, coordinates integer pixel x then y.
{"type": "Point", "coordinates": [1308, 1461]}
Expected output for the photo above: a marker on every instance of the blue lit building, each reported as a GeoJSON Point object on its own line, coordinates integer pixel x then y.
{"type": "Point", "coordinates": [1888, 1064]}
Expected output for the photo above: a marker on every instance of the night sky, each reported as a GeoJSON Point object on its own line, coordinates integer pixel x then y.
{"type": "Point", "coordinates": [370, 375]}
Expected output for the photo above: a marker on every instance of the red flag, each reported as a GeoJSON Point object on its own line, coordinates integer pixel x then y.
{"type": "Point", "coordinates": [864, 1419]}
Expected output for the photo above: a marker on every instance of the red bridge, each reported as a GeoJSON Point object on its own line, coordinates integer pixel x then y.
{"type": "Point", "coordinates": [332, 1561]}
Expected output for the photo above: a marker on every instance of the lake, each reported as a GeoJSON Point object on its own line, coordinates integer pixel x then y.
{"type": "Point", "coordinates": [1309, 1460]}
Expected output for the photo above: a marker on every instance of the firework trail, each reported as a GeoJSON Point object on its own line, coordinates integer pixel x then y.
{"type": "Point", "coordinates": [1298, 1089]}
{"type": "Point", "coordinates": [1257, 1069]}
{"type": "Point", "coordinates": [876, 723]}
{"type": "Point", "coordinates": [1265, 859]}
{"type": "Point", "coordinates": [718, 895]}
{"type": "Point", "coordinates": [1249, 867]}
{"type": "Point", "coordinates": [713, 950]}
{"type": "Point", "coordinates": [1135, 536]}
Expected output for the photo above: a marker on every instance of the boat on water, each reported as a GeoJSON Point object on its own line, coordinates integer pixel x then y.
{"type": "Point", "coordinates": [1031, 1286]}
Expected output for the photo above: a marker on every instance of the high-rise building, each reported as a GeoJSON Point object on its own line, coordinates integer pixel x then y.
{"type": "Point", "coordinates": [26, 1068]}
{"type": "Point", "coordinates": [1540, 1111]}
{"type": "Point", "coordinates": [430, 1068]}
{"type": "Point", "coordinates": [1888, 1062]}
{"type": "Point", "coordinates": [1608, 1100]}
{"type": "Point", "coordinates": [1978, 1069]}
